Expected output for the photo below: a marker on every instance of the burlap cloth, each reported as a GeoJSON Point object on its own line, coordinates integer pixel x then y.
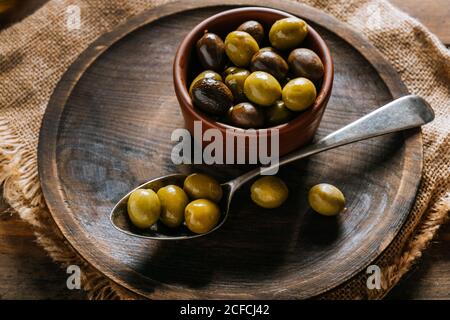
{"type": "Point", "coordinates": [36, 52]}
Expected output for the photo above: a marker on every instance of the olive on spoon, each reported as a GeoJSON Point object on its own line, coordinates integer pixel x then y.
{"type": "Point", "coordinates": [404, 113]}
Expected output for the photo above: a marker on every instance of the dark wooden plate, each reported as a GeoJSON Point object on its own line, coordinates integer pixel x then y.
{"type": "Point", "coordinates": [107, 129]}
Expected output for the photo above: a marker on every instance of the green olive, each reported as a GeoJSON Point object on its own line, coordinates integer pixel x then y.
{"type": "Point", "coordinates": [278, 113]}
{"type": "Point", "coordinates": [173, 201]}
{"type": "Point", "coordinates": [269, 192]}
{"type": "Point", "coordinates": [245, 115]}
{"type": "Point", "coordinates": [199, 186]}
{"type": "Point", "coordinates": [201, 215]}
{"type": "Point", "coordinates": [288, 33]}
{"type": "Point", "coordinates": [253, 28]}
{"type": "Point", "coordinates": [326, 199]}
{"type": "Point", "coordinates": [306, 63]}
{"type": "Point", "coordinates": [262, 88]}
{"type": "Point", "coordinates": [270, 62]}
{"type": "Point", "coordinates": [211, 51]}
{"type": "Point", "coordinates": [235, 83]}
{"type": "Point", "coordinates": [212, 96]}
{"type": "Point", "coordinates": [144, 208]}
{"type": "Point", "coordinates": [240, 47]}
{"type": "Point", "coordinates": [205, 75]}
{"type": "Point", "coordinates": [299, 94]}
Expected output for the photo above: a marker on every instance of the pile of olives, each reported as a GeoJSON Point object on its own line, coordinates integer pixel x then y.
{"type": "Point", "coordinates": [251, 86]}
{"type": "Point", "coordinates": [195, 204]}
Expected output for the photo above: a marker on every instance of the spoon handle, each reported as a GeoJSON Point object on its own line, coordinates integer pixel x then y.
{"type": "Point", "coordinates": [404, 113]}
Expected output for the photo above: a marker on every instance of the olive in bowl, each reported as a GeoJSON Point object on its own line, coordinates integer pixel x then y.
{"type": "Point", "coordinates": [278, 113]}
{"type": "Point", "coordinates": [211, 96]}
{"type": "Point", "coordinates": [262, 88]}
{"type": "Point", "coordinates": [270, 62]}
{"type": "Point", "coordinates": [299, 94]}
{"type": "Point", "coordinates": [246, 115]}
{"type": "Point", "coordinates": [306, 63]}
{"type": "Point", "coordinates": [235, 82]}
{"type": "Point", "coordinates": [288, 33]}
{"type": "Point", "coordinates": [207, 74]}
{"type": "Point", "coordinates": [240, 47]}
{"type": "Point", "coordinates": [253, 28]}
{"type": "Point", "coordinates": [230, 70]}
{"type": "Point", "coordinates": [293, 133]}
{"type": "Point", "coordinates": [211, 51]}
{"type": "Point", "coordinates": [265, 49]}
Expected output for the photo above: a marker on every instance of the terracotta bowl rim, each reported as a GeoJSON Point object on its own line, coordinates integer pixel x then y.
{"type": "Point", "coordinates": [183, 54]}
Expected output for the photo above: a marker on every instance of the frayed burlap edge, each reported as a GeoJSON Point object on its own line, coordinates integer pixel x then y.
{"type": "Point", "coordinates": [418, 242]}
{"type": "Point", "coordinates": [21, 189]}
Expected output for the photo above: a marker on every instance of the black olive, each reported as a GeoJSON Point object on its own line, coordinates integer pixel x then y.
{"type": "Point", "coordinates": [246, 115]}
{"type": "Point", "coordinates": [267, 49]}
{"type": "Point", "coordinates": [212, 96]}
{"type": "Point", "coordinates": [230, 70]}
{"type": "Point", "coordinates": [254, 28]}
{"type": "Point", "coordinates": [270, 62]}
{"type": "Point", "coordinates": [306, 63]}
{"type": "Point", "coordinates": [211, 51]}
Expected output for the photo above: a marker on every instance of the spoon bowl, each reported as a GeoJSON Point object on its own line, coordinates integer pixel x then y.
{"type": "Point", "coordinates": [119, 216]}
{"type": "Point", "coordinates": [401, 114]}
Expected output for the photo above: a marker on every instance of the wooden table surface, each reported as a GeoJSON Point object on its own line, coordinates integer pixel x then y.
{"type": "Point", "coordinates": [26, 271]}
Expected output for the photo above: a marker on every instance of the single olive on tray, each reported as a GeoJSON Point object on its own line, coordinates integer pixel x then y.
{"type": "Point", "coordinates": [253, 28]}
{"type": "Point", "coordinates": [262, 88]}
{"type": "Point", "coordinates": [211, 51]}
{"type": "Point", "coordinates": [144, 208]}
{"type": "Point", "coordinates": [212, 96]}
{"type": "Point", "coordinates": [326, 199]}
{"type": "Point", "coordinates": [288, 33]}
{"type": "Point", "coordinates": [278, 113]}
{"type": "Point", "coordinates": [240, 47]}
{"type": "Point", "coordinates": [269, 192]}
{"type": "Point", "coordinates": [306, 63]}
{"type": "Point", "coordinates": [173, 200]}
{"type": "Point", "coordinates": [235, 82]}
{"type": "Point", "coordinates": [299, 94]}
{"type": "Point", "coordinates": [245, 115]}
{"type": "Point", "coordinates": [201, 186]}
{"type": "Point", "coordinates": [207, 74]}
{"type": "Point", "coordinates": [270, 62]}
{"type": "Point", "coordinates": [201, 215]}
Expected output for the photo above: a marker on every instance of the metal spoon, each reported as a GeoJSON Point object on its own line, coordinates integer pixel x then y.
{"type": "Point", "coordinates": [404, 113]}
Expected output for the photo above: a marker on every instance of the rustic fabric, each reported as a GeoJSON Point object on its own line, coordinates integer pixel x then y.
{"type": "Point", "coordinates": [36, 52]}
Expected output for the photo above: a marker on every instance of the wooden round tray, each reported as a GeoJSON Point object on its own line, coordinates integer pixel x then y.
{"type": "Point", "coordinates": [107, 128]}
